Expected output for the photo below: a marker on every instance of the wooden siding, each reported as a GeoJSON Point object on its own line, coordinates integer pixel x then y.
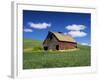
{"type": "Point", "coordinates": [51, 43]}
{"type": "Point", "coordinates": [67, 45]}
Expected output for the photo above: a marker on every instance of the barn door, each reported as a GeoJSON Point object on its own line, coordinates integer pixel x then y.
{"type": "Point", "coordinates": [57, 47]}
{"type": "Point", "coordinates": [45, 48]}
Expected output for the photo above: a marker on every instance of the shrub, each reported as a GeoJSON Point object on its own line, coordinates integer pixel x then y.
{"type": "Point", "coordinates": [36, 48]}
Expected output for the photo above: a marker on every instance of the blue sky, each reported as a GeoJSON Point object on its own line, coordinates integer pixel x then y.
{"type": "Point", "coordinates": [36, 25]}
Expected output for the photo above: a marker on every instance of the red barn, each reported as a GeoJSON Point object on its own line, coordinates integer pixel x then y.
{"type": "Point", "coordinates": [58, 41]}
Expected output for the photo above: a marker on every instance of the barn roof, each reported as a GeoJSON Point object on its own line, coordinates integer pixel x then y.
{"type": "Point", "coordinates": [62, 37]}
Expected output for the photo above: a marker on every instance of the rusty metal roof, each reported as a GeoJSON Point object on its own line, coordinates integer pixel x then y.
{"type": "Point", "coordinates": [62, 37]}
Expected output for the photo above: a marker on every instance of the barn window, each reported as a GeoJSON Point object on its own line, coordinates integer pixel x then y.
{"type": "Point", "coordinates": [45, 48]}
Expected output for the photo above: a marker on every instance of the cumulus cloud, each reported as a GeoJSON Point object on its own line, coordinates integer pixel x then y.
{"type": "Point", "coordinates": [65, 33]}
{"type": "Point", "coordinates": [76, 30]}
{"type": "Point", "coordinates": [84, 44]}
{"type": "Point", "coordinates": [75, 27]}
{"type": "Point", "coordinates": [43, 25]}
{"type": "Point", "coordinates": [77, 33]}
{"type": "Point", "coordinates": [28, 30]}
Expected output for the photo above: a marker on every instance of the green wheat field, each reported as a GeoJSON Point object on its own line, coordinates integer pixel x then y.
{"type": "Point", "coordinates": [34, 57]}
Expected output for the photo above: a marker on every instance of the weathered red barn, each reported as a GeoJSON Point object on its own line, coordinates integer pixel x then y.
{"type": "Point", "coordinates": [59, 41]}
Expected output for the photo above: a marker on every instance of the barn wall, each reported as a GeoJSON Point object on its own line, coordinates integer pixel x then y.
{"type": "Point", "coordinates": [51, 44]}
{"type": "Point", "coordinates": [67, 45]}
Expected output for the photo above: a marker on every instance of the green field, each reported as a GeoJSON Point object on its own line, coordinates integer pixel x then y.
{"type": "Point", "coordinates": [35, 57]}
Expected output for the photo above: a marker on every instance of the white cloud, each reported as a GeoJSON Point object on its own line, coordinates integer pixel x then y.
{"type": "Point", "coordinates": [28, 30]}
{"type": "Point", "coordinates": [77, 33]}
{"type": "Point", "coordinates": [84, 44]}
{"type": "Point", "coordinates": [43, 25]}
{"type": "Point", "coordinates": [75, 27]}
{"type": "Point", "coordinates": [76, 30]}
{"type": "Point", "coordinates": [65, 33]}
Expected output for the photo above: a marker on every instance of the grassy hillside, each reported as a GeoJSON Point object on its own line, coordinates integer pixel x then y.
{"type": "Point", "coordinates": [28, 43]}
{"type": "Point", "coordinates": [32, 45]}
{"type": "Point", "coordinates": [32, 58]}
